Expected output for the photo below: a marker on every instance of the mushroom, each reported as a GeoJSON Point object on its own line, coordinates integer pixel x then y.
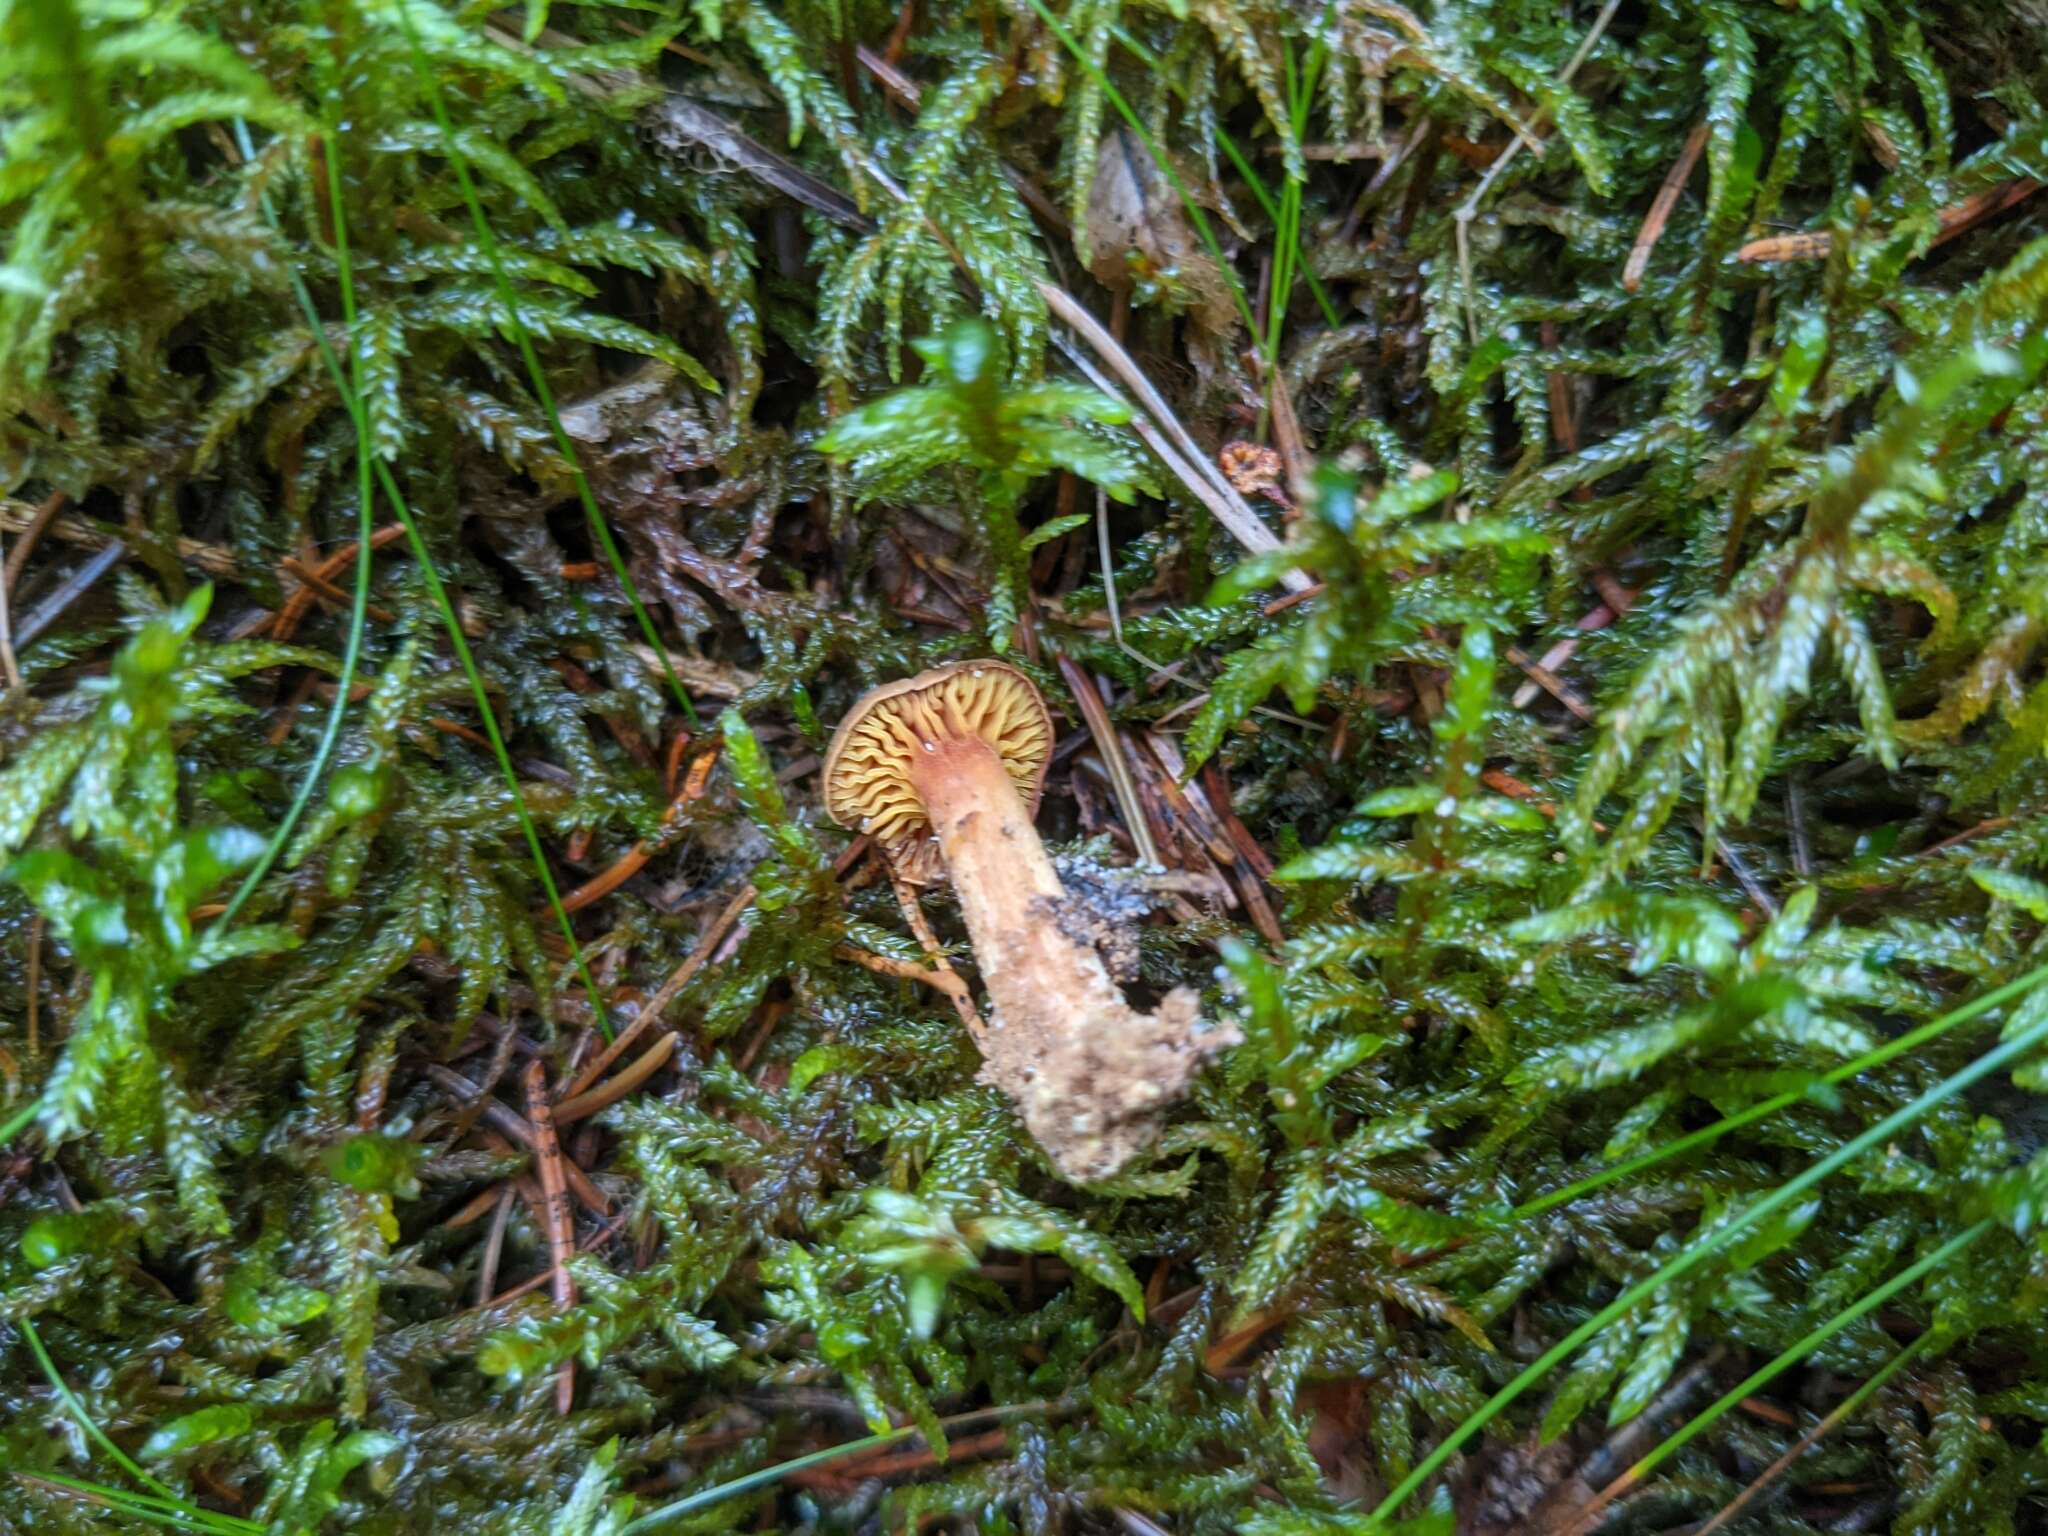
{"type": "Point", "coordinates": [944, 771]}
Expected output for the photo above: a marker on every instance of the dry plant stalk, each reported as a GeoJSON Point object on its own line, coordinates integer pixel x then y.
{"type": "Point", "coordinates": [944, 770]}
{"type": "Point", "coordinates": [555, 1214]}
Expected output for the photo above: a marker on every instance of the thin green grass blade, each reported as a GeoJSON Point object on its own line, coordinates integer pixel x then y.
{"type": "Point", "coordinates": [359, 600]}
{"type": "Point", "coordinates": [77, 1411]}
{"type": "Point", "coordinates": [1252, 180]}
{"type": "Point", "coordinates": [1793, 1353]}
{"type": "Point", "coordinates": [22, 1119]}
{"type": "Point", "coordinates": [458, 641]}
{"type": "Point", "coordinates": [1271, 209]}
{"type": "Point", "coordinates": [524, 341]}
{"type": "Point", "coordinates": [1913, 1039]}
{"type": "Point", "coordinates": [163, 1505]}
{"type": "Point", "coordinates": [1195, 215]}
{"type": "Point", "coordinates": [1700, 1251]}
{"type": "Point", "coordinates": [1841, 1413]}
{"type": "Point", "coordinates": [704, 1498]}
{"type": "Point", "coordinates": [184, 1517]}
{"type": "Point", "coordinates": [718, 1494]}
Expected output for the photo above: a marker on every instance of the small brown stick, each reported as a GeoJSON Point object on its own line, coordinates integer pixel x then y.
{"type": "Point", "coordinates": [15, 517]}
{"type": "Point", "coordinates": [296, 606]}
{"type": "Point", "coordinates": [590, 1244]}
{"type": "Point", "coordinates": [581, 570]}
{"type": "Point", "coordinates": [1836, 1417]}
{"type": "Point", "coordinates": [771, 1015]}
{"type": "Point", "coordinates": [8, 665]}
{"type": "Point", "coordinates": [1163, 432]}
{"type": "Point", "coordinates": [1239, 834]}
{"type": "Point", "coordinates": [1260, 910]}
{"type": "Point", "coordinates": [511, 1123]}
{"type": "Point", "coordinates": [35, 979]}
{"type": "Point", "coordinates": [555, 1215]}
{"type": "Point", "coordinates": [449, 727]}
{"type": "Point", "coordinates": [644, 1066]}
{"type": "Point", "coordinates": [913, 914]}
{"type": "Point", "coordinates": [1550, 682]}
{"type": "Point", "coordinates": [707, 945]}
{"type": "Point", "coordinates": [1557, 386]}
{"type": "Point", "coordinates": [475, 1208]}
{"type": "Point", "coordinates": [1159, 770]}
{"type": "Point", "coordinates": [1769, 1412]}
{"type": "Point", "coordinates": [289, 715]}
{"type": "Point", "coordinates": [624, 1041]}
{"type": "Point", "coordinates": [700, 774]}
{"type": "Point", "coordinates": [672, 764]}
{"type": "Point", "coordinates": [947, 981]}
{"type": "Point", "coordinates": [1282, 604]}
{"type": "Point", "coordinates": [31, 535]}
{"type": "Point", "coordinates": [904, 90]}
{"type": "Point", "coordinates": [1563, 651]}
{"type": "Point", "coordinates": [1502, 782]}
{"type": "Point", "coordinates": [1227, 1350]}
{"type": "Point", "coordinates": [886, 1463]}
{"type": "Point", "coordinates": [1110, 745]}
{"type": "Point", "coordinates": [322, 587]}
{"type": "Point", "coordinates": [1969, 834]}
{"type": "Point", "coordinates": [1660, 208]}
{"type": "Point", "coordinates": [1816, 245]}
{"type": "Point", "coordinates": [609, 879]}
{"type": "Point", "coordinates": [1288, 439]}
{"type": "Point", "coordinates": [494, 1241]}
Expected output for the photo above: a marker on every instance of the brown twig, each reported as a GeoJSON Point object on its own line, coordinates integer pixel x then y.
{"type": "Point", "coordinates": [1163, 433]}
{"type": "Point", "coordinates": [1836, 1417]}
{"type": "Point", "coordinates": [1562, 652]}
{"type": "Point", "coordinates": [8, 666]}
{"type": "Point", "coordinates": [475, 1208]}
{"type": "Point", "coordinates": [1282, 604]}
{"type": "Point", "coordinates": [527, 1287]}
{"type": "Point", "coordinates": [609, 879]}
{"type": "Point", "coordinates": [310, 577]}
{"type": "Point", "coordinates": [1110, 746]}
{"type": "Point", "coordinates": [1226, 1351]}
{"type": "Point", "coordinates": [494, 1241]}
{"type": "Point", "coordinates": [644, 1066]}
{"type": "Point", "coordinates": [1240, 835]}
{"type": "Point", "coordinates": [884, 1462]}
{"type": "Point", "coordinates": [1968, 834]}
{"type": "Point", "coordinates": [1550, 682]}
{"type": "Point", "coordinates": [35, 980]}
{"type": "Point", "coordinates": [555, 1215]}
{"type": "Point", "coordinates": [707, 946]}
{"type": "Point", "coordinates": [17, 517]}
{"type": "Point", "coordinates": [954, 988]}
{"type": "Point", "coordinates": [510, 1123]}
{"type": "Point", "coordinates": [31, 535]}
{"type": "Point", "coordinates": [300, 602]}
{"type": "Point", "coordinates": [1817, 244]}
{"type": "Point", "coordinates": [1660, 208]}
{"type": "Point", "coordinates": [1502, 782]}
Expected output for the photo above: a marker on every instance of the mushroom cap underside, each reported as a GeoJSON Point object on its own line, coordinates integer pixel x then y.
{"type": "Point", "coordinates": [868, 781]}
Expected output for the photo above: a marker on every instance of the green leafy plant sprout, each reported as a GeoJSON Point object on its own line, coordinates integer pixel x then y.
{"type": "Point", "coordinates": [966, 415]}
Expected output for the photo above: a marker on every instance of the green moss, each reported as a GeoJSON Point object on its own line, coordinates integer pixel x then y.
{"type": "Point", "coordinates": [1610, 1044]}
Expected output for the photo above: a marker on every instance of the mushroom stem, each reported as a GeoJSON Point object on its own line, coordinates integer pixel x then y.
{"type": "Point", "coordinates": [1000, 870]}
{"type": "Point", "coordinates": [1061, 1029]}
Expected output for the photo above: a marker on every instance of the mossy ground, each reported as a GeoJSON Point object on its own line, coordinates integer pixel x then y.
{"type": "Point", "coordinates": [457, 466]}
